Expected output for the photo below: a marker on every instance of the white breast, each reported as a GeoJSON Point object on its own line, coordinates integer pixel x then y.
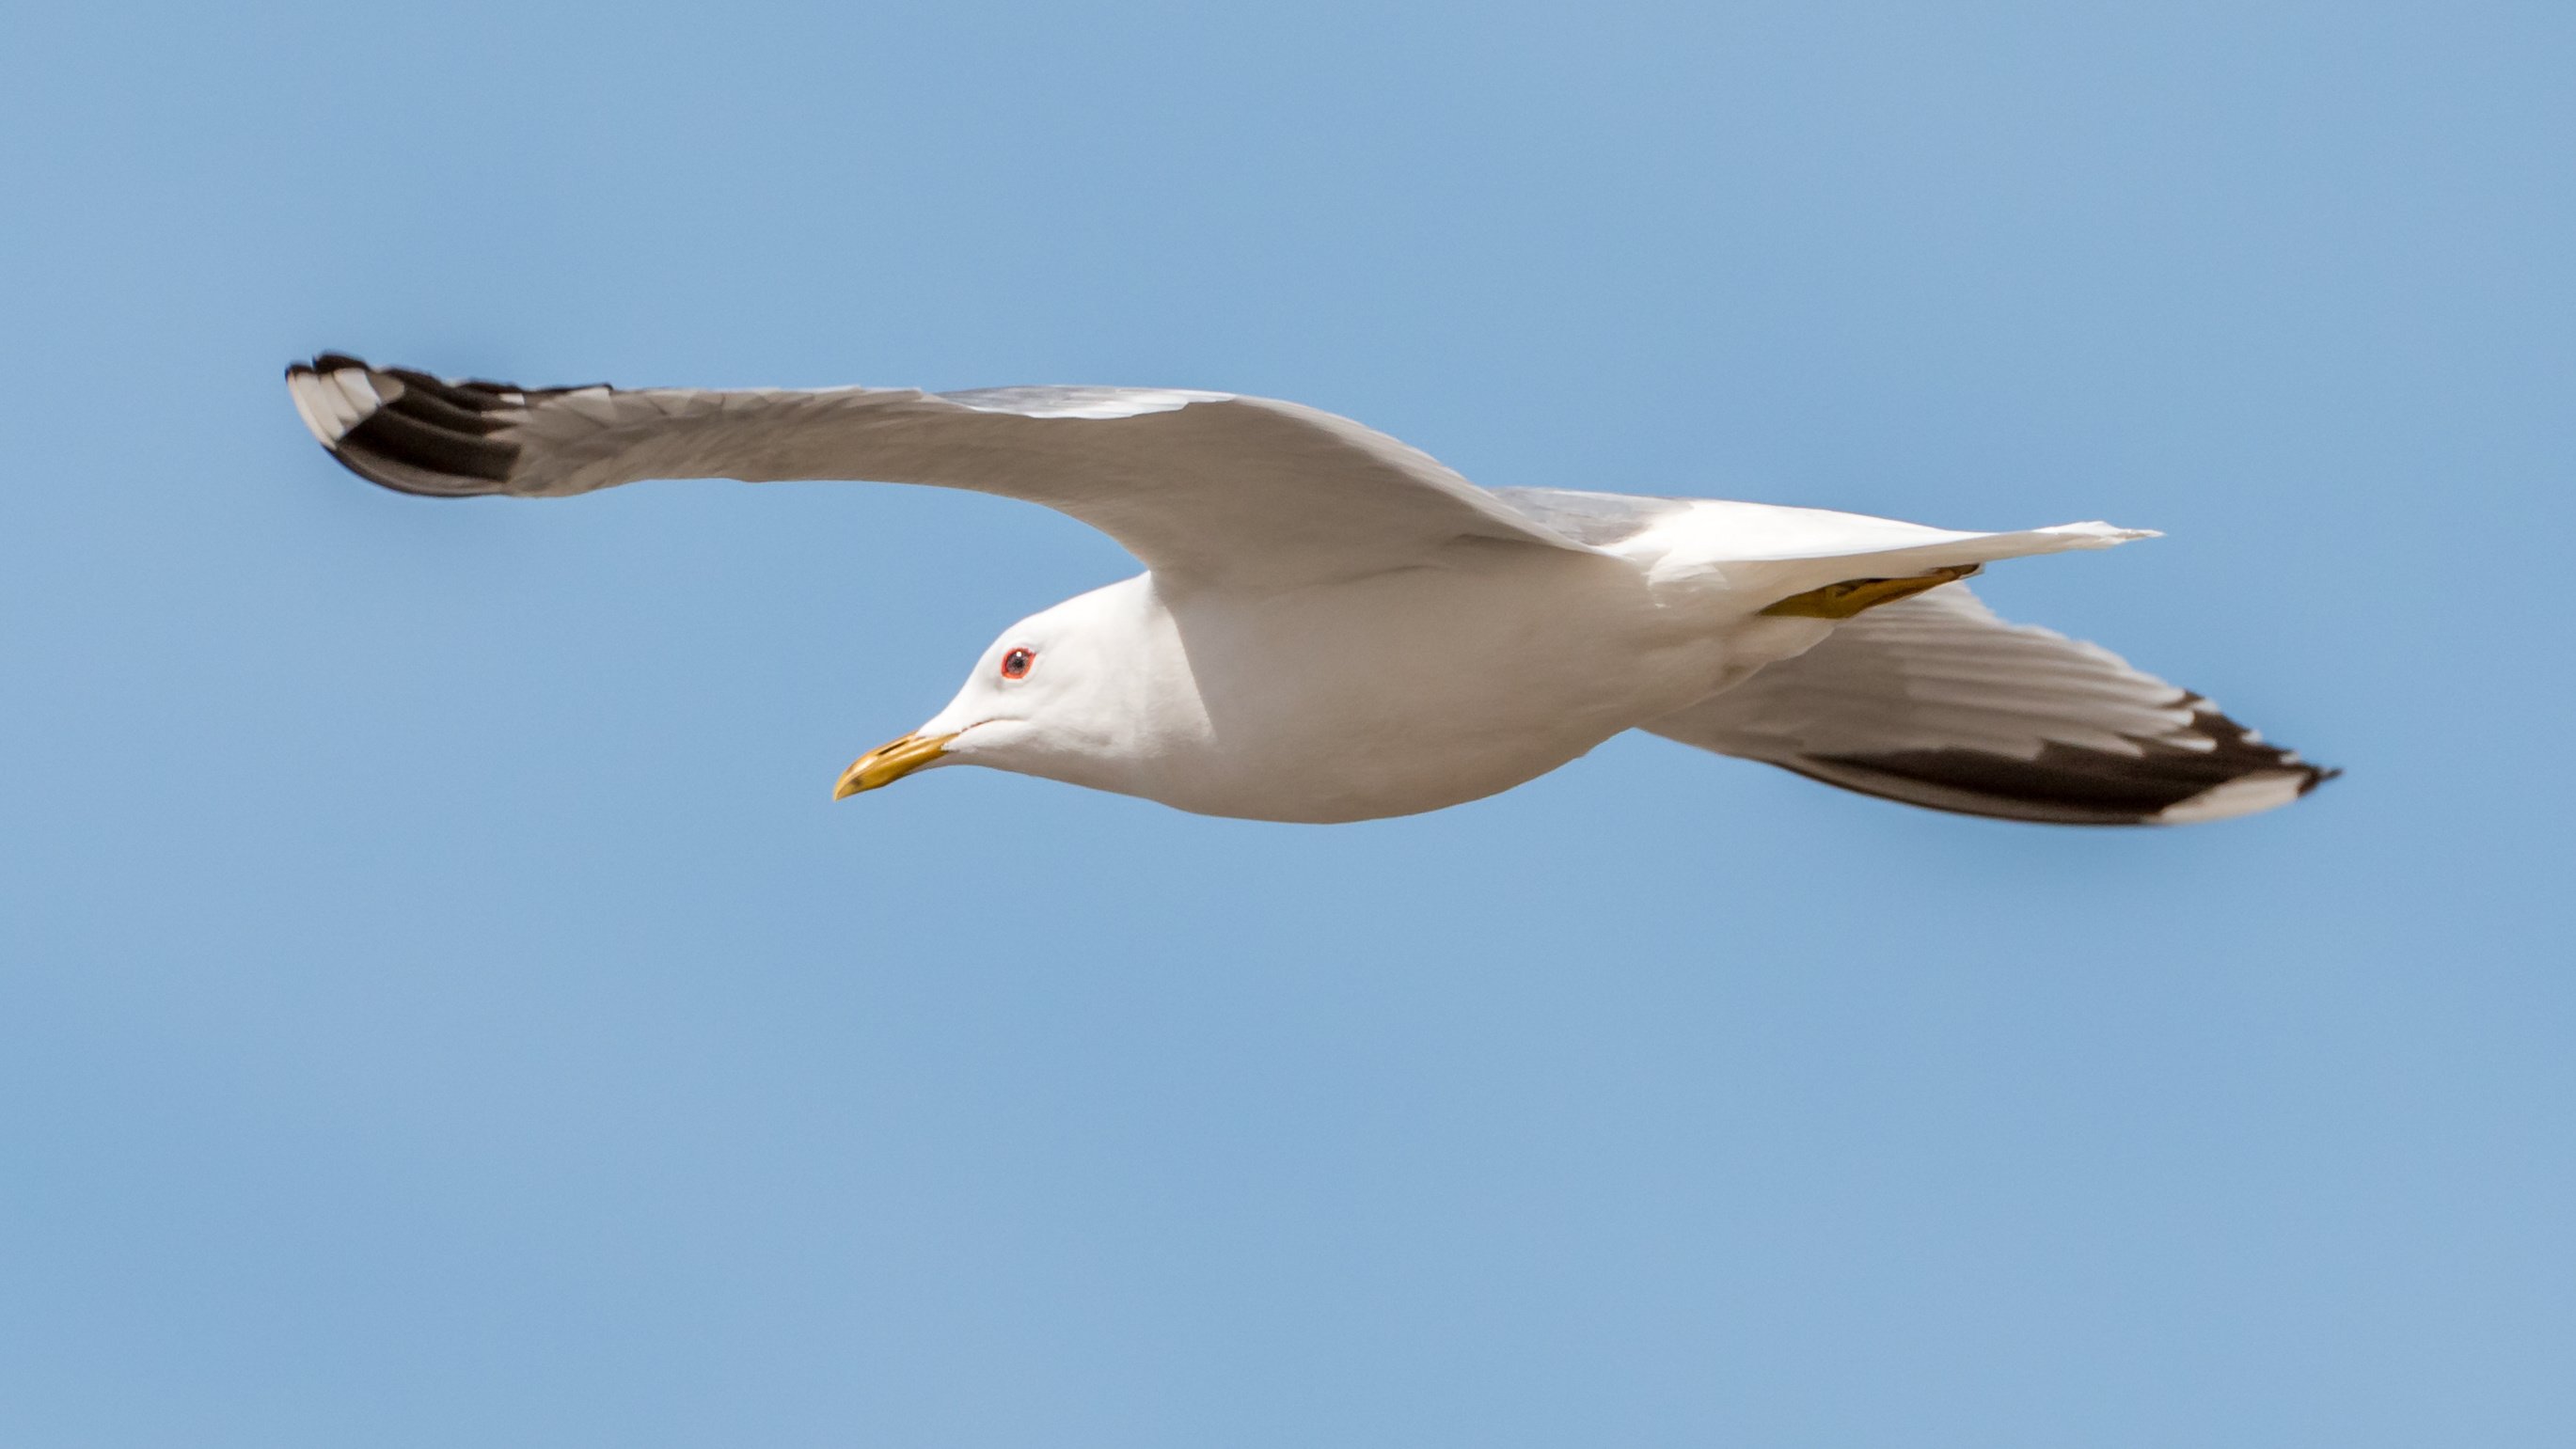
{"type": "Point", "coordinates": [1411, 691]}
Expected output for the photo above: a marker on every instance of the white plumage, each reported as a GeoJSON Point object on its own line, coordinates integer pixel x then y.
{"type": "Point", "coordinates": [1333, 626]}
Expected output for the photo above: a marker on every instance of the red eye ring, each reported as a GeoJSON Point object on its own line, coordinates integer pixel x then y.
{"type": "Point", "coordinates": [1015, 665]}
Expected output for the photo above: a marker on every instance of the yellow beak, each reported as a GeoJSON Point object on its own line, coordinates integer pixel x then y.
{"type": "Point", "coordinates": [888, 763]}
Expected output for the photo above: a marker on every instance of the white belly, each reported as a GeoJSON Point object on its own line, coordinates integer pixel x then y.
{"type": "Point", "coordinates": [1413, 691]}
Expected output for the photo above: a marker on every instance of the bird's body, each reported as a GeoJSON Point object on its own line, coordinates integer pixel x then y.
{"type": "Point", "coordinates": [1333, 627]}
{"type": "Point", "coordinates": [1273, 706]}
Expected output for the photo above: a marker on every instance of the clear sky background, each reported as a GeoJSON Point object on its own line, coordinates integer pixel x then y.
{"type": "Point", "coordinates": [442, 1007]}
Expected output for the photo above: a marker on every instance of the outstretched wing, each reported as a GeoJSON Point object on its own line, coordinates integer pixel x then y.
{"type": "Point", "coordinates": [1196, 484]}
{"type": "Point", "coordinates": [1934, 701]}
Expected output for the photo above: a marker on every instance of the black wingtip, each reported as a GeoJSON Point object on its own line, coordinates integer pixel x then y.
{"type": "Point", "coordinates": [2221, 772]}
{"type": "Point", "coordinates": [407, 430]}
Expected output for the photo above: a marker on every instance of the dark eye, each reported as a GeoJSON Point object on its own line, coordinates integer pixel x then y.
{"type": "Point", "coordinates": [1015, 665]}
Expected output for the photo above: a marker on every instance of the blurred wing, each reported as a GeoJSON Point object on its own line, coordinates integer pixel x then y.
{"type": "Point", "coordinates": [1934, 701]}
{"type": "Point", "coordinates": [1196, 484]}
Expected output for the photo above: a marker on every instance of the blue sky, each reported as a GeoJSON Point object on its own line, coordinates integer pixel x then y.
{"type": "Point", "coordinates": [441, 1006]}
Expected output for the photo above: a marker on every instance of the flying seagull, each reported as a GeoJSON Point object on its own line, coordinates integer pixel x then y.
{"type": "Point", "coordinates": [1332, 626]}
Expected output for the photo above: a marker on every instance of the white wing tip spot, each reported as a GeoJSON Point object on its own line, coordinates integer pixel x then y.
{"type": "Point", "coordinates": [2245, 795]}
{"type": "Point", "coordinates": [331, 403]}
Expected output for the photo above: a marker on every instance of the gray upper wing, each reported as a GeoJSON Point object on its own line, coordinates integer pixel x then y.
{"type": "Point", "coordinates": [1598, 519]}
{"type": "Point", "coordinates": [1196, 484]}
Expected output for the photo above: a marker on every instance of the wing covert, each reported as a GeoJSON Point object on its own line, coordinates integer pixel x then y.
{"type": "Point", "coordinates": [1195, 484]}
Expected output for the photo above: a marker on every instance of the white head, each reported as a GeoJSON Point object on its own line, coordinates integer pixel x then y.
{"type": "Point", "coordinates": [1082, 692]}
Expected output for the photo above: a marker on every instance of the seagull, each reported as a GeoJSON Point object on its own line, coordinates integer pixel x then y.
{"type": "Point", "coordinates": [1332, 626]}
